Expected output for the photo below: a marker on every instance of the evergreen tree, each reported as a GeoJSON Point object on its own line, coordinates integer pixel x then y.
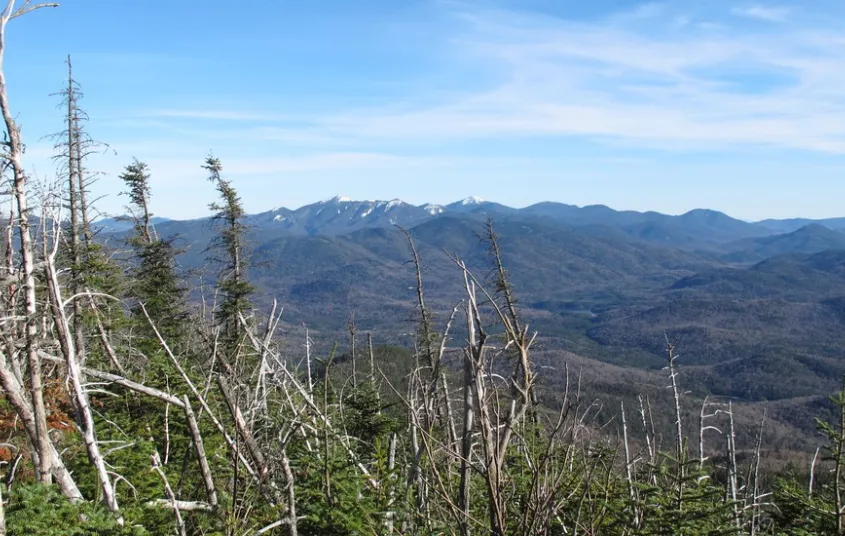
{"type": "Point", "coordinates": [230, 245]}
{"type": "Point", "coordinates": [154, 280]}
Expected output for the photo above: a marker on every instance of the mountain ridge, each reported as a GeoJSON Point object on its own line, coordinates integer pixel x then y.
{"type": "Point", "coordinates": [340, 214]}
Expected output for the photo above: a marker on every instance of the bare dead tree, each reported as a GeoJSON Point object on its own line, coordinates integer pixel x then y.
{"type": "Point", "coordinates": [496, 425]}
{"type": "Point", "coordinates": [813, 472]}
{"type": "Point", "coordinates": [13, 158]}
{"type": "Point", "coordinates": [171, 497]}
{"type": "Point", "coordinates": [629, 466]}
{"type": "Point", "coordinates": [73, 361]}
{"type": "Point", "coordinates": [68, 145]}
{"type": "Point", "coordinates": [732, 483]}
{"type": "Point", "coordinates": [199, 446]}
{"type": "Point", "coordinates": [755, 480]}
{"type": "Point", "coordinates": [476, 344]}
{"type": "Point", "coordinates": [680, 450]}
{"type": "Point", "coordinates": [353, 354]}
{"type": "Point", "coordinates": [702, 428]}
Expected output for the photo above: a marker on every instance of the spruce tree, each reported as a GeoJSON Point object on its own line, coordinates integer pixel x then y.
{"type": "Point", "coordinates": [155, 282]}
{"type": "Point", "coordinates": [230, 251]}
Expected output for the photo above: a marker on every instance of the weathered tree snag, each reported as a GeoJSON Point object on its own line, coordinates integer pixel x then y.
{"type": "Point", "coordinates": [241, 425]}
{"type": "Point", "coordinates": [292, 521]}
{"type": "Point", "coordinates": [680, 452]}
{"type": "Point", "coordinates": [13, 156]}
{"type": "Point", "coordinates": [174, 504]}
{"type": "Point", "coordinates": [73, 147]}
{"type": "Point", "coordinates": [207, 478]}
{"type": "Point", "coordinates": [78, 393]}
{"type": "Point", "coordinates": [120, 380]}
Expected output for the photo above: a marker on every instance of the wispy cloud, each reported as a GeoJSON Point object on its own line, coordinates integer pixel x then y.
{"type": "Point", "coordinates": [181, 168]}
{"type": "Point", "coordinates": [766, 13]}
{"type": "Point", "coordinates": [648, 77]}
{"type": "Point", "coordinates": [648, 84]}
{"type": "Point", "coordinates": [325, 162]}
{"type": "Point", "coordinates": [214, 114]}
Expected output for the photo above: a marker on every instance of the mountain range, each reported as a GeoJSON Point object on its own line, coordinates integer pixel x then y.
{"type": "Point", "coordinates": [758, 308]}
{"type": "Point", "coordinates": [696, 229]}
{"type": "Point", "coordinates": [341, 215]}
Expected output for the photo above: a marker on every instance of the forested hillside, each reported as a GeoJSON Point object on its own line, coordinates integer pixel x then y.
{"type": "Point", "coordinates": [476, 370]}
{"type": "Point", "coordinates": [756, 318]}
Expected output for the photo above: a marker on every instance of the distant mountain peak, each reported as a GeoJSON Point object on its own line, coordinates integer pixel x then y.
{"type": "Point", "coordinates": [339, 199]}
{"type": "Point", "coordinates": [432, 209]}
{"type": "Point", "coordinates": [389, 205]}
{"type": "Point", "coordinates": [472, 200]}
{"type": "Point", "coordinates": [816, 228]}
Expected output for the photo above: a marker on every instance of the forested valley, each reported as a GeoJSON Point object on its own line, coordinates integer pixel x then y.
{"type": "Point", "coordinates": [153, 384]}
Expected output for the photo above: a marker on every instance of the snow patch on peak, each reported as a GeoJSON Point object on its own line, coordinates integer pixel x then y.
{"type": "Point", "coordinates": [434, 210]}
{"type": "Point", "coordinates": [339, 199]}
{"type": "Point", "coordinates": [472, 200]}
{"type": "Point", "coordinates": [280, 218]}
{"type": "Point", "coordinates": [393, 203]}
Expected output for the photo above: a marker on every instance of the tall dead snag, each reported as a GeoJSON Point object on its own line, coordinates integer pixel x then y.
{"type": "Point", "coordinates": [82, 146]}
{"type": "Point", "coordinates": [13, 158]}
{"type": "Point", "coordinates": [755, 477]}
{"type": "Point", "coordinates": [68, 146]}
{"type": "Point", "coordinates": [497, 425]}
{"type": "Point", "coordinates": [73, 146]}
{"type": "Point", "coordinates": [78, 393]}
{"type": "Point", "coordinates": [732, 476]}
{"type": "Point", "coordinates": [629, 467]}
{"type": "Point", "coordinates": [427, 387]}
{"type": "Point", "coordinates": [353, 354]}
{"type": "Point", "coordinates": [518, 338]}
{"type": "Point", "coordinates": [476, 339]}
{"type": "Point", "coordinates": [835, 434]}
{"type": "Point", "coordinates": [680, 450]}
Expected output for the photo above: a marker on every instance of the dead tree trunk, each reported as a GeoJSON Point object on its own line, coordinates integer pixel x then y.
{"type": "Point", "coordinates": [13, 156]}
{"type": "Point", "coordinates": [199, 447]}
{"type": "Point", "coordinates": [79, 394]}
{"type": "Point", "coordinates": [73, 147]}
{"type": "Point", "coordinates": [671, 356]}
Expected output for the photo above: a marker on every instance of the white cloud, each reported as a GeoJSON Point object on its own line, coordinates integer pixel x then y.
{"type": "Point", "coordinates": [324, 162]}
{"type": "Point", "coordinates": [650, 85]}
{"type": "Point", "coordinates": [647, 77]}
{"type": "Point", "coordinates": [214, 114]}
{"type": "Point", "coordinates": [766, 13]}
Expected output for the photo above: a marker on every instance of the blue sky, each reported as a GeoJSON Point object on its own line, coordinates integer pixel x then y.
{"type": "Point", "coordinates": [668, 106]}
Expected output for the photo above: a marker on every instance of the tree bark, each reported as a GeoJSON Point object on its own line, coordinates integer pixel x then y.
{"type": "Point", "coordinates": [207, 478]}
{"type": "Point", "coordinates": [42, 443]}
